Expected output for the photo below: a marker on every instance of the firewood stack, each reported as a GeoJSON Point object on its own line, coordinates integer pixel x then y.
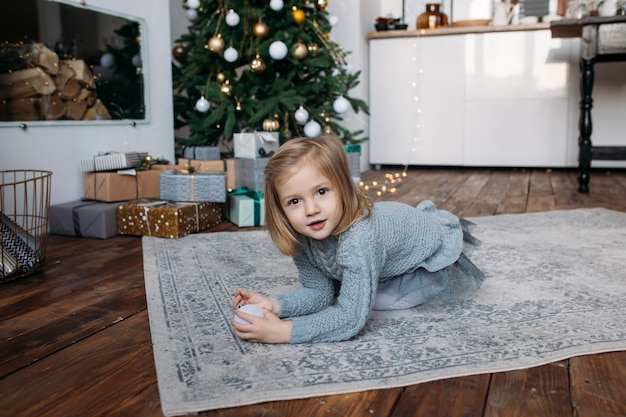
{"type": "Point", "coordinates": [36, 85]}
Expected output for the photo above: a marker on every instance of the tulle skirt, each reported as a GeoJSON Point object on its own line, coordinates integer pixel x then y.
{"type": "Point", "coordinates": [451, 284]}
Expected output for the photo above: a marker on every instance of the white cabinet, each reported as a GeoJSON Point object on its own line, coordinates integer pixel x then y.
{"type": "Point", "coordinates": [414, 102]}
{"type": "Point", "coordinates": [479, 99]}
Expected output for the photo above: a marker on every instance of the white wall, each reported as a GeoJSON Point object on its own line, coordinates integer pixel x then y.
{"type": "Point", "coordinates": [60, 148]}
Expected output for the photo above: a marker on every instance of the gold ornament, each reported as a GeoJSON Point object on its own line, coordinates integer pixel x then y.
{"type": "Point", "coordinates": [226, 88]}
{"type": "Point", "coordinates": [220, 77]}
{"type": "Point", "coordinates": [298, 15]}
{"type": "Point", "coordinates": [299, 50]}
{"type": "Point", "coordinates": [260, 30]}
{"type": "Point", "coordinates": [178, 52]}
{"type": "Point", "coordinates": [257, 64]}
{"type": "Point", "coordinates": [271, 125]}
{"type": "Point", "coordinates": [321, 4]}
{"type": "Point", "coordinates": [328, 129]}
{"type": "Point", "coordinates": [215, 44]}
{"type": "Point", "coordinates": [313, 48]}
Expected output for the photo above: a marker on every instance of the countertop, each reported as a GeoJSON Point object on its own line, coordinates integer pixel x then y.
{"type": "Point", "coordinates": [454, 30]}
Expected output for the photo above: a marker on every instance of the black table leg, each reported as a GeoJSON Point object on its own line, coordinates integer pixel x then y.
{"type": "Point", "coordinates": [584, 124]}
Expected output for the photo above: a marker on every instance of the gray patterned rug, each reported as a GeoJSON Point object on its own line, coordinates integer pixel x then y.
{"type": "Point", "coordinates": [555, 288]}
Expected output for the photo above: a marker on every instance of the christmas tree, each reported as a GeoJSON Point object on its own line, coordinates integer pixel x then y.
{"type": "Point", "coordinates": [264, 65]}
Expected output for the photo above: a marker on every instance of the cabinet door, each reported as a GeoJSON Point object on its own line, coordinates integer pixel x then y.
{"type": "Point", "coordinates": [416, 101]}
{"type": "Point", "coordinates": [517, 93]}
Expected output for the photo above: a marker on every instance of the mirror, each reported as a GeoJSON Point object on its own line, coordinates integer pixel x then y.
{"type": "Point", "coordinates": [65, 62]}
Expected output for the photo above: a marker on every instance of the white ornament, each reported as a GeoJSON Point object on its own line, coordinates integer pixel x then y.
{"type": "Point", "coordinates": [231, 54]}
{"type": "Point", "coordinates": [193, 4]}
{"type": "Point", "coordinates": [333, 20]}
{"type": "Point", "coordinates": [341, 105]}
{"type": "Point", "coordinates": [251, 309]}
{"type": "Point", "coordinates": [301, 115]}
{"type": "Point", "coordinates": [312, 129]}
{"type": "Point", "coordinates": [107, 60]}
{"type": "Point", "coordinates": [191, 14]}
{"type": "Point", "coordinates": [278, 50]}
{"type": "Point", "coordinates": [277, 5]}
{"type": "Point", "coordinates": [232, 18]}
{"type": "Point", "coordinates": [202, 105]}
{"type": "Point", "coordinates": [136, 60]}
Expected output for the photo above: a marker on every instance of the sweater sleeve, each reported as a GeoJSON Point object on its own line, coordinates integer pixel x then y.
{"type": "Point", "coordinates": [315, 293]}
{"type": "Point", "coordinates": [359, 279]}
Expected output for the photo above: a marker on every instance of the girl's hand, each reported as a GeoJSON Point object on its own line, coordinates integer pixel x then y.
{"type": "Point", "coordinates": [268, 329]}
{"type": "Point", "coordinates": [263, 301]}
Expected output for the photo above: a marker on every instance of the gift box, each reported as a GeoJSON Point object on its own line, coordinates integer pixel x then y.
{"type": "Point", "coordinates": [249, 173]}
{"type": "Point", "coordinates": [200, 186]}
{"type": "Point", "coordinates": [84, 218]}
{"type": "Point", "coordinates": [202, 153]}
{"type": "Point", "coordinates": [354, 159]}
{"type": "Point", "coordinates": [245, 208]}
{"type": "Point", "coordinates": [166, 219]}
{"type": "Point", "coordinates": [19, 249]}
{"type": "Point", "coordinates": [112, 161]}
{"type": "Point", "coordinates": [255, 144]}
{"type": "Point", "coordinates": [121, 186]}
{"type": "Point", "coordinates": [227, 165]}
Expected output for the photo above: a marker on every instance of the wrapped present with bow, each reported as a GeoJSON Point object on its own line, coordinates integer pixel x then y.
{"type": "Point", "coordinates": [166, 219]}
{"type": "Point", "coordinates": [191, 185]}
{"type": "Point", "coordinates": [245, 208]}
{"type": "Point", "coordinates": [255, 144]}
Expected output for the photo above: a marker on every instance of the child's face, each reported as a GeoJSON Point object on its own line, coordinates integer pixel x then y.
{"type": "Point", "coordinates": [310, 202]}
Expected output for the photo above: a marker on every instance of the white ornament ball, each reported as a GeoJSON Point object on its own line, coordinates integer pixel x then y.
{"type": "Point", "coordinates": [231, 54]}
{"type": "Point", "coordinates": [202, 105]}
{"type": "Point", "coordinates": [232, 18]}
{"type": "Point", "coordinates": [136, 60]}
{"type": "Point", "coordinates": [301, 115]}
{"type": "Point", "coordinates": [193, 4]}
{"type": "Point", "coordinates": [341, 105]}
{"type": "Point", "coordinates": [191, 14]}
{"type": "Point", "coordinates": [312, 129]}
{"type": "Point", "coordinates": [249, 309]}
{"type": "Point", "coordinates": [277, 5]}
{"type": "Point", "coordinates": [278, 50]}
{"type": "Point", "coordinates": [107, 60]}
{"type": "Point", "coordinates": [333, 20]}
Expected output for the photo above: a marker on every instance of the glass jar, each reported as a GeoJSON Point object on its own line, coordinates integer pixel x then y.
{"type": "Point", "coordinates": [432, 18]}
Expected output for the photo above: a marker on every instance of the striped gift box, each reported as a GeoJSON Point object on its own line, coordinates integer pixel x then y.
{"type": "Point", "coordinates": [112, 161]}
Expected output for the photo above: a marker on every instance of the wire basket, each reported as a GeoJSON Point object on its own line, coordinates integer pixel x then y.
{"type": "Point", "coordinates": [24, 206]}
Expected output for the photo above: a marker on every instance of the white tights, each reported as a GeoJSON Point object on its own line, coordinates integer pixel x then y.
{"type": "Point", "coordinates": [409, 290]}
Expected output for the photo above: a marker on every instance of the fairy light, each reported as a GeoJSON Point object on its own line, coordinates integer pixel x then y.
{"type": "Point", "coordinates": [388, 186]}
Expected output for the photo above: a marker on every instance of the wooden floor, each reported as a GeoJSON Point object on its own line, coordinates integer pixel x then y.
{"type": "Point", "coordinates": [75, 337]}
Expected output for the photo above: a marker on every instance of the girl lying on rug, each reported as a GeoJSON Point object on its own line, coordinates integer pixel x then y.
{"type": "Point", "coordinates": [352, 255]}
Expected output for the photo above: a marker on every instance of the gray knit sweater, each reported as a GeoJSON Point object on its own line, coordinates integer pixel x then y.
{"type": "Point", "coordinates": [394, 240]}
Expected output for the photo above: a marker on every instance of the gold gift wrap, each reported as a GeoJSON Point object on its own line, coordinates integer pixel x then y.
{"type": "Point", "coordinates": [166, 219]}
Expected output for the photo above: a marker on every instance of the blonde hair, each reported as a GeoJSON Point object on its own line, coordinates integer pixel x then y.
{"type": "Point", "coordinates": [327, 154]}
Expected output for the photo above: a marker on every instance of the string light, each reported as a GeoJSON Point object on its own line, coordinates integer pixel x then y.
{"type": "Point", "coordinates": [389, 186]}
